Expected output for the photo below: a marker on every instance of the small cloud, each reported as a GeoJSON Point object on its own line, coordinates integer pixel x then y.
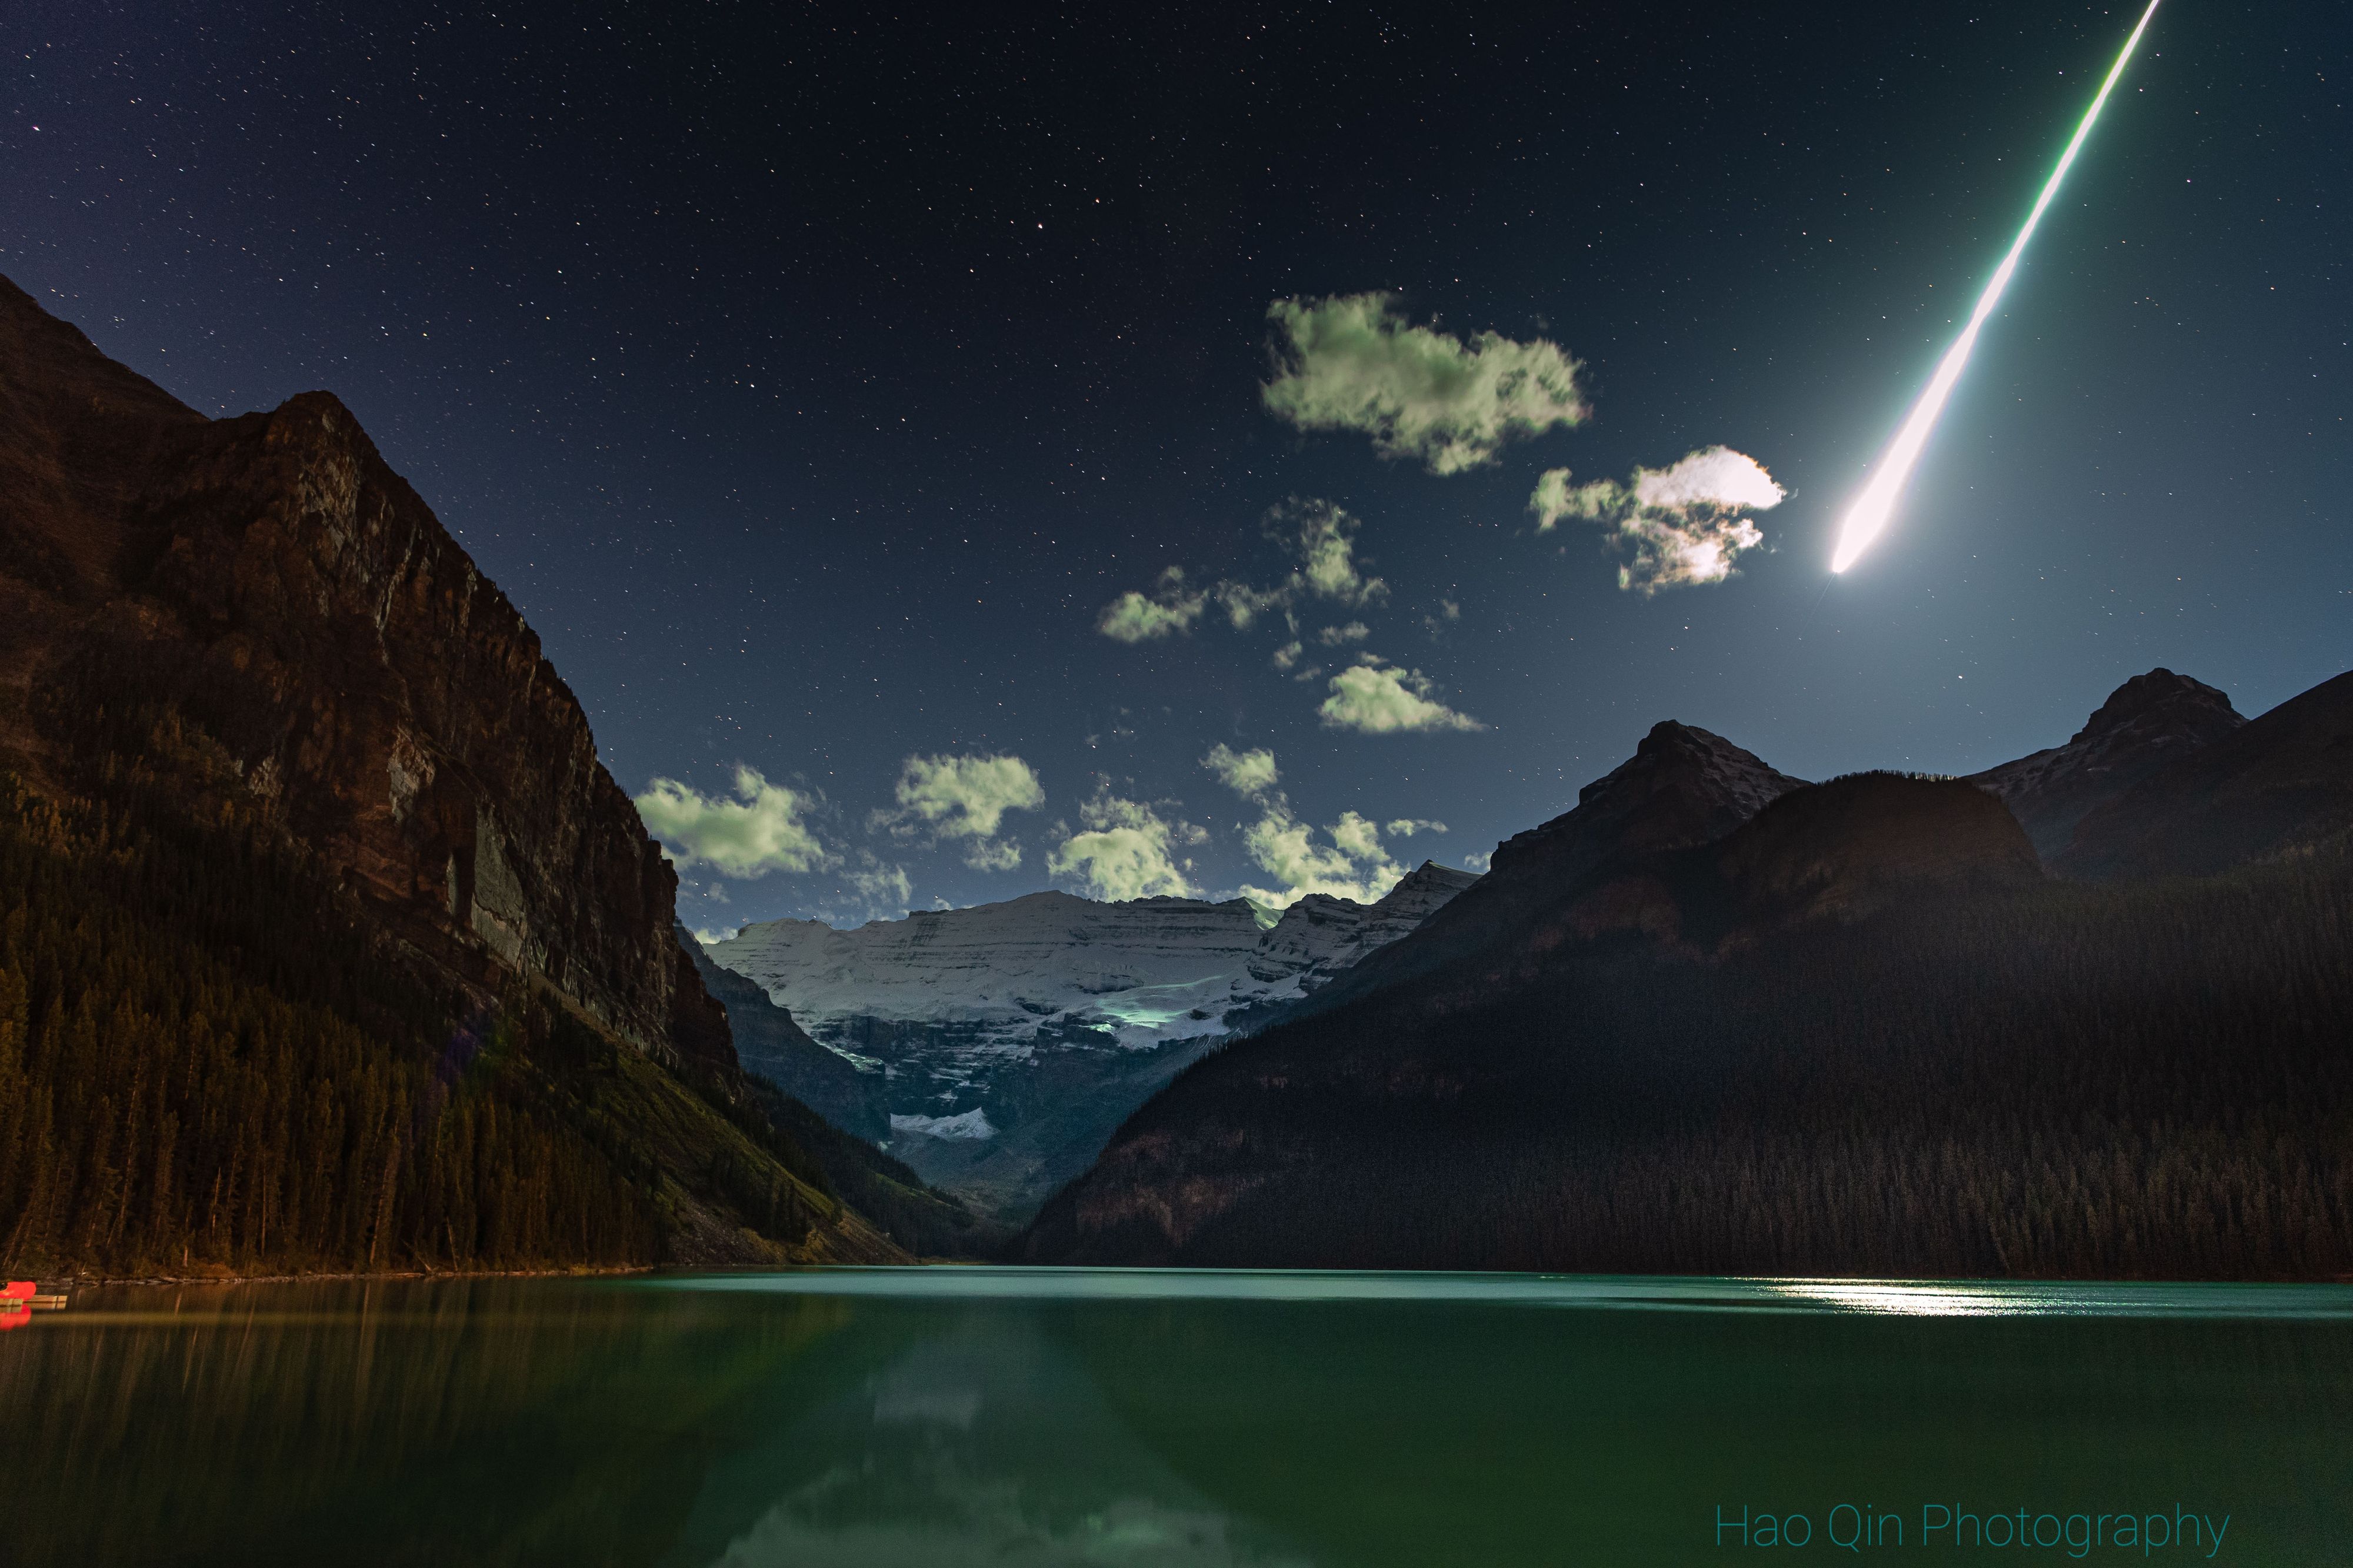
{"type": "Point", "coordinates": [965, 797]}
{"type": "Point", "coordinates": [1288, 655]}
{"type": "Point", "coordinates": [994, 855]}
{"type": "Point", "coordinates": [1553, 500]}
{"type": "Point", "coordinates": [1336, 637]}
{"type": "Point", "coordinates": [1478, 862]}
{"type": "Point", "coordinates": [1354, 363]}
{"type": "Point", "coordinates": [1352, 865]}
{"type": "Point", "coordinates": [1407, 826]}
{"type": "Point", "coordinates": [1375, 698]}
{"type": "Point", "coordinates": [1320, 536]}
{"type": "Point", "coordinates": [1683, 525]}
{"type": "Point", "coordinates": [1244, 605]}
{"type": "Point", "coordinates": [1126, 851]}
{"type": "Point", "coordinates": [1247, 773]}
{"type": "Point", "coordinates": [885, 888]}
{"type": "Point", "coordinates": [1714, 476]}
{"type": "Point", "coordinates": [706, 939]}
{"type": "Point", "coordinates": [1325, 536]}
{"type": "Point", "coordinates": [757, 832]}
{"type": "Point", "coordinates": [1172, 607]}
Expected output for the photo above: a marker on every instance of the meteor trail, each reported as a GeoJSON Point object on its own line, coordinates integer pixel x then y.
{"type": "Point", "coordinates": [1869, 514]}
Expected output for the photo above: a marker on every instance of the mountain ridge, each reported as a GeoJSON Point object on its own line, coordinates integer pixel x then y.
{"type": "Point", "coordinates": [1863, 1031]}
{"type": "Point", "coordinates": [248, 642]}
{"type": "Point", "coordinates": [2147, 722]}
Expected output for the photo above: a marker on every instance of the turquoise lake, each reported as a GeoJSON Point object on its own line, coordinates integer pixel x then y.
{"type": "Point", "coordinates": [949, 1417]}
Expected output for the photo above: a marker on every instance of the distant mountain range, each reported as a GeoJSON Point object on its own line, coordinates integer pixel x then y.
{"type": "Point", "coordinates": [1715, 1020]}
{"type": "Point", "coordinates": [995, 1049]}
{"type": "Point", "coordinates": [326, 942]}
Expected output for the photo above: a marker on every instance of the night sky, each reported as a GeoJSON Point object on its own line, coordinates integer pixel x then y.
{"type": "Point", "coordinates": [815, 379]}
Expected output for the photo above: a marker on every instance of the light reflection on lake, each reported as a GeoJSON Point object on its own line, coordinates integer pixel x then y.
{"type": "Point", "coordinates": [1029, 1416]}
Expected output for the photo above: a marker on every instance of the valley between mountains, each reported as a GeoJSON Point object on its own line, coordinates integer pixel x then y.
{"type": "Point", "coordinates": [329, 945]}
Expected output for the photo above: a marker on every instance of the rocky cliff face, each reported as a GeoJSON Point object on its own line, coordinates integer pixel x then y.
{"type": "Point", "coordinates": [2277, 787]}
{"type": "Point", "coordinates": [1684, 787]}
{"type": "Point", "coordinates": [2147, 722]}
{"type": "Point", "coordinates": [277, 628]}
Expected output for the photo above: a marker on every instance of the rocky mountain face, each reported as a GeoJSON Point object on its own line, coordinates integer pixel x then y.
{"type": "Point", "coordinates": [1841, 850]}
{"type": "Point", "coordinates": [300, 635]}
{"type": "Point", "coordinates": [2279, 785]}
{"type": "Point", "coordinates": [1715, 1020]}
{"type": "Point", "coordinates": [1684, 787]}
{"type": "Point", "coordinates": [2147, 722]}
{"type": "Point", "coordinates": [1008, 1041]}
{"type": "Point", "coordinates": [249, 640]}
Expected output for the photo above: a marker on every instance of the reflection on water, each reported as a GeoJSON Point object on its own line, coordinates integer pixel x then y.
{"type": "Point", "coordinates": [949, 1417]}
{"type": "Point", "coordinates": [985, 1444]}
{"type": "Point", "coordinates": [1903, 1297]}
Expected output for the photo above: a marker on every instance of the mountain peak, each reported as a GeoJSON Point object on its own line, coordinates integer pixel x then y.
{"type": "Point", "coordinates": [2160, 693]}
{"type": "Point", "coordinates": [1684, 757]}
{"type": "Point", "coordinates": [2254, 790]}
{"type": "Point", "coordinates": [2147, 722]}
{"type": "Point", "coordinates": [1424, 881]}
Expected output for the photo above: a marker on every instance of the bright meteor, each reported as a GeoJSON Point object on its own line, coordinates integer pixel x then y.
{"type": "Point", "coordinates": [1869, 514]}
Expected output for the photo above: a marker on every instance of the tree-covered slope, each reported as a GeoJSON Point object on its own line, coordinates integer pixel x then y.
{"type": "Point", "coordinates": [1965, 1072]}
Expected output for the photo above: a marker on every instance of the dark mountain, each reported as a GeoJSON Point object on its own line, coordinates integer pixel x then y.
{"type": "Point", "coordinates": [2282, 784]}
{"type": "Point", "coordinates": [241, 663]}
{"type": "Point", "coordinates": [2147, 722]}
{"type": "Point", "coordinates": [1860, 1032]}
{"type": "Point", "coordinates": [1684, 787]}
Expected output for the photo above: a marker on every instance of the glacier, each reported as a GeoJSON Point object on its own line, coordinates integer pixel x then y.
{"type": "Point", "coordinates": [1010, 1039]}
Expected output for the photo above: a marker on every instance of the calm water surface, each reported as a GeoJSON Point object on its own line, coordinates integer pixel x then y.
{"type": "Point", "coordinates": [1010, 1416]}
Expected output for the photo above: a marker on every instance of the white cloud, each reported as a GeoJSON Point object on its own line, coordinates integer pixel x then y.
{"type": "Point", "coordinates": [1320, 536]}
{"type": "Point", "coordinates": [1172, 607]}
{"type": "Point", "coordinates": [965, 797]}
{"type": "Point", "coordinates": [1244, 605]}
{"type": "Point", "coordinates": [1325, 538]}
{"type": "Point", "coordinates": [1126, 851]}
{"type": "Point", "coordinates": [1680, 525]}
{"type": "Point", "coordinates": [1353, 363]}
{"type": "Point", "coordinates": [1714, 475]}
{"type": "Point", "coordinates": [1478, 862]}
{"type": "Point", "coordinates": [1288, 655]}
{"type": "Point", "coordinates": [885, 888]}
{"type": "Point", "coordinates": [1247, 773]}
{"type": "Point", "coordinates": [757, 832]}
{"type": "Point", "coordinates": [1553, 500]}
{"type": "Point", "coordinates": [1375, 698]}
{"type": "Point", "coordinates": [1352, 865]}
{"type": "Point", "coordinates": [1407, 826]}
{"type": "Point", "coordinates": [1335, 636]}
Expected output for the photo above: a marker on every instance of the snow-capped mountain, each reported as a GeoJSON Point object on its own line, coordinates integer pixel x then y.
{"type": "Point", "coordinates": [1010, 1039]}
